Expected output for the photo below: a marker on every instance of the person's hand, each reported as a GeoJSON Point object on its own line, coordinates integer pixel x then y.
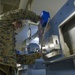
{"type": "Point", "coordinates": [17, 24]}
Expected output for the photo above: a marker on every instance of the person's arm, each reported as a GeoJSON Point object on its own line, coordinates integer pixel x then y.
{"type": "Point", "coordinates": [28, 59]}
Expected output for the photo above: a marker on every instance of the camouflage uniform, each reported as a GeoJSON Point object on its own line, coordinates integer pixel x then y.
{"type": "Point", "coordinates": [7, 46]}
{"type": "Point", "coordinates": [8, 57]}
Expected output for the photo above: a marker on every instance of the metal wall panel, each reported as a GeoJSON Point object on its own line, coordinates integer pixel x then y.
{"type": "Point", "coordinates": [63, 67]}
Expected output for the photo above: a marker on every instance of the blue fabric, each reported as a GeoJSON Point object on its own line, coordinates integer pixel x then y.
{"type": "Point", "coordinates": [44, 18]}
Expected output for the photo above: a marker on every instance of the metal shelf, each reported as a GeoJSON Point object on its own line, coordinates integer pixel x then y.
{"type": "Point", "coordinates": [61, 59]}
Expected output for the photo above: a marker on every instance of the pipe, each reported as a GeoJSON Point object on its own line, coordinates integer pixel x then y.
{"type": "Point", "coordinates": [23, 4]}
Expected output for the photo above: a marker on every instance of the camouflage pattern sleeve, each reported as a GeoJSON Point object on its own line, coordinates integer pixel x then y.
{"type": "Point", "coordinates": [7, 46]}
{"type": "Point", "coordinates": [28, 59]}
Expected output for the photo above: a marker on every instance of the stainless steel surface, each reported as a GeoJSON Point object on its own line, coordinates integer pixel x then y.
{"type": "Point", "coordinates": [53, 47]}
{"type": "Point", "coordinates": [54, 42]}
{"type": "Point", "coordinates": [52, 54]}
{"type": "Point", "coordinates": [69, 38]}
{"type": "Point", "coordinates": [61, 59]}
{"type": "Point", "coordinates": [67, 35]}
